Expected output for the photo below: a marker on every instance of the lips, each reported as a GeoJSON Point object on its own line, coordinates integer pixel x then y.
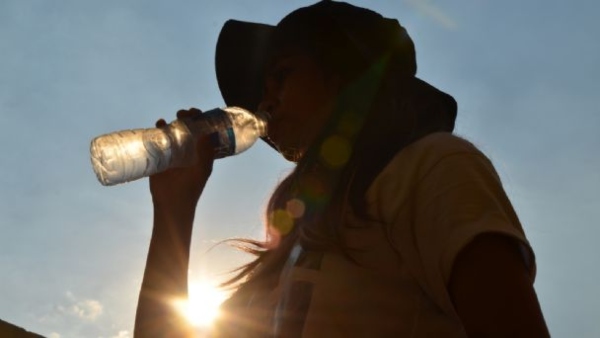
{"type": "Point", "coordinates": [273, 128]}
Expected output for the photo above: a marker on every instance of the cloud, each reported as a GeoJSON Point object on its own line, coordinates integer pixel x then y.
{"type": "Point", "coordinates": [54, 335]}
{"type": "Point", "coordinates": [87, 309]}
{"type": "Point", "coordinates": [430, 10]}
{"type": "Point", "coordinates": [122, 334]}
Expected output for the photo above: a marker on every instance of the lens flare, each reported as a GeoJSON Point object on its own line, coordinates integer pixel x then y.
{"type": "Point", "coordinates": [335, 151]}
{"type": "Point", "coordinates": [282, 220]}
{"type": "Point", "coordinates": [295, 208]}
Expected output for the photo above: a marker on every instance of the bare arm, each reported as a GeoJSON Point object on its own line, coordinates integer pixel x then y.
{"type": "Point", "coordinates": [175, 194]}
{"type": "Point", "coordinates": [493, 292]}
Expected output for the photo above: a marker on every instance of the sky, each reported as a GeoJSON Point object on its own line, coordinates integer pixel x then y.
{"type": "Point", "coordinates": [72, 252]}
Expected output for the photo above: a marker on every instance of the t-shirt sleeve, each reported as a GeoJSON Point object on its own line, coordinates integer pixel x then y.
{"type": "Point", "coordinates": [434, 198]}
{"type": "Point", "coordinates": [459, 198]}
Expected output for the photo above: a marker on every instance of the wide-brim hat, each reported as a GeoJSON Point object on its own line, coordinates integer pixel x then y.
{"type": "Point", "coordinates": [244, 48]}
{"type": "Point", "coordinates": [242, 54]}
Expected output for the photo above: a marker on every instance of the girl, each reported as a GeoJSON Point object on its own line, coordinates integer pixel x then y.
{"type": "Point", "coordinates": [389, 225]}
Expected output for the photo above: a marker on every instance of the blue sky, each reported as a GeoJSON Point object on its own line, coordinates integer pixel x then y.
{"type": "Point", "coordinates": [525, 75]}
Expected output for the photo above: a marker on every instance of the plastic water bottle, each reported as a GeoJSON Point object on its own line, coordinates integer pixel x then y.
{"type": "Point", "coordinates": [128, 155]}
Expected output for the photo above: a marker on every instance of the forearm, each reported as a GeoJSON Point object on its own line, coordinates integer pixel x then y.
{"type": "Point", "coordinates": [168, 255]}
{"type": "Point", "coordinates": [166, 274]}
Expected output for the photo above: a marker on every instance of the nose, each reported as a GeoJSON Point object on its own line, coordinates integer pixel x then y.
{"type": "Point", "coordinates": [268, 103]}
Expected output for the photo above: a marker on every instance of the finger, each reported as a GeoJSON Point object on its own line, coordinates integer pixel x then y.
{"type": "Point", "coordinates": [160, 123]}
{"type": "Point", "coordinates": [195, 111]}
{"type": "Point", "coordinates": [182, 113]}
{"type": "Point", "coordinates": [188, 113]}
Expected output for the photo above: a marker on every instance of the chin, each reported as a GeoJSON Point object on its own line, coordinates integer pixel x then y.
{"type": "Point", "coordinates": [291, 154]}
{"type": "Point", "coordinates": [289, 150]}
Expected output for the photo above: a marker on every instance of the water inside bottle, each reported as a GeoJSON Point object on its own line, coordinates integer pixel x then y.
{"type": "Point", "coordinates": [129, 155]}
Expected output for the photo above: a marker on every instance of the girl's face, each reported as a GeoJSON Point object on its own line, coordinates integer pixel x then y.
{"type": "Point", "coordinates": [300, 98]}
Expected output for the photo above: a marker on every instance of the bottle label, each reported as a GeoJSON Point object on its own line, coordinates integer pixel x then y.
{"type": "Point", "coordinates": [223, 142]}
{"type": "Point", "coordinates": [216, 124]}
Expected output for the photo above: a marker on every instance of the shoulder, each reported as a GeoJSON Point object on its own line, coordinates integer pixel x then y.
{"type": "Point", "coordinates": [418, 159]}
{"type": "Point", "coordinates": [433, 148]}
{"type": "Point", "coordinates": [437, 159]}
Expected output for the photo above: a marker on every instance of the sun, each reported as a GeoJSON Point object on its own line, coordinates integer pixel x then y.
{"type": "Point", "coordinates": [202, 306]}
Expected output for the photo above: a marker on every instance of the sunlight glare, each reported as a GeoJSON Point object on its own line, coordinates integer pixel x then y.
{"type": "Point", "coordinates": [202, 307]}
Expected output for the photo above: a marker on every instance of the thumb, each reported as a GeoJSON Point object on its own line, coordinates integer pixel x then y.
{"type": "Point", "coordinates": [205, 150]}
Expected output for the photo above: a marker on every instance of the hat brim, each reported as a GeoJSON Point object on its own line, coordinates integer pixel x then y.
{"type": "Point", "coordinates": [242, 53]}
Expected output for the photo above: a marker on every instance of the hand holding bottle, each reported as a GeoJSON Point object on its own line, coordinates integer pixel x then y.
{"type": "Point", "coordinates": [181, 187]}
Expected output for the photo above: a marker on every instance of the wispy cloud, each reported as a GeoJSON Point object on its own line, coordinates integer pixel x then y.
{"type": "Point", "coordinates": [430, 10]}
{"type": "Point", "coordinates": [86, 309]}
{"type": "Point", "coordinates": [122, 334]}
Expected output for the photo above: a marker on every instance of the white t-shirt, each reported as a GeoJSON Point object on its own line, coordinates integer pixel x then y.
{"type": "Point", "coordinates": [428, 203]}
